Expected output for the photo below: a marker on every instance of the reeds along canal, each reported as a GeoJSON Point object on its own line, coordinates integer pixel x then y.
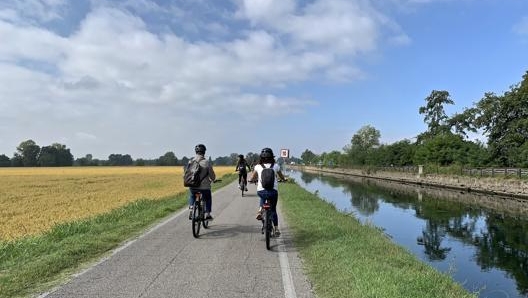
{"type": "Point", "coordinates": [481, 241]}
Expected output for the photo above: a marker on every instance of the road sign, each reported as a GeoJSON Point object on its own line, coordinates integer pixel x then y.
{"type": "Point", "coordinates": [285, 153]}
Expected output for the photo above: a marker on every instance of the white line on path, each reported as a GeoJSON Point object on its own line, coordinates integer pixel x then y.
{"type": "Point", "coordinates": [287, 280]}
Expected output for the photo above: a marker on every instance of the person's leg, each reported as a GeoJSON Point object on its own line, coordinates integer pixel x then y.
{"type": "Point", "coordinates": [239, 178]}
{"type": "Point", "coordinates": [262, 196]}
{"type": "Point", "coordinates": [245, 180]}
{"type": "Point", "coordinates": [191, 201]}
{"type": "Point", "coordinates": [273, 199]}
{"type": "Point", "coordinates": [206, 195]}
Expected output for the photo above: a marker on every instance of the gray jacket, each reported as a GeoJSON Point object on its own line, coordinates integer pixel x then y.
{"type": "Point", "coordinates": [207, 175]}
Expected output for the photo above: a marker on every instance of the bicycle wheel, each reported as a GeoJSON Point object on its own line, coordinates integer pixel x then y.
{"type": "Point", "coordinates": [242, 186]}
{"type": "Point", "coordinates": [267, 225]}
{"type": "Point", "coordinates": [205, 222]}
{"type": "Point", "coordinates": [196, 220]}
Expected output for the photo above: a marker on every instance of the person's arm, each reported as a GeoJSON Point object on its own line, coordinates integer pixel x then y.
{"type": "Point", "coordinates": [254, 177]}
{"type": "Point", "coordinates": [212, 174]}
{"type": "Point", "coordinates": [236, 167]}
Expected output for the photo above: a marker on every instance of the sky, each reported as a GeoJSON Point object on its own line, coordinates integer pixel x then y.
{"type": "Point", "coordinates": [145, 77]}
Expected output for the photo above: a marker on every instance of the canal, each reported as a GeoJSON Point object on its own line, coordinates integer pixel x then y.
{"type": "Point", "coordinates": [482, 242]}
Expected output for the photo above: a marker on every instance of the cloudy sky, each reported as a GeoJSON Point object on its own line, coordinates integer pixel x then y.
{"type": "Point", "coordinates": [143, 77]}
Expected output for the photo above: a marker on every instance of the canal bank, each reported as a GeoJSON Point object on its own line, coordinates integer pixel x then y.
{"type": "Point", "coordinates": [511, 188]}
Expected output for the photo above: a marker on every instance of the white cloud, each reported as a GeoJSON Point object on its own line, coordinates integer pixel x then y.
{"type": "Point", "coordinates": [115, 79]}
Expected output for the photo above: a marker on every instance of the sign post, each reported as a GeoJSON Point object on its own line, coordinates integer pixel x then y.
{"type": "Point", "coordinates": [285, 154]}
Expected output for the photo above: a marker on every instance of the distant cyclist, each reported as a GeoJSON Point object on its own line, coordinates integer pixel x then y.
{"type": "Point", "coordinates": [242, 168]}
{"type": "Point", "coordinates": [270, 193]}
{"type": "Point", "coordinates": [207, 176]}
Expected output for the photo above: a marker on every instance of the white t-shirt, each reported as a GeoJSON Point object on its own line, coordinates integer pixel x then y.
{"type": "Point", "coordinates": [259, 169]}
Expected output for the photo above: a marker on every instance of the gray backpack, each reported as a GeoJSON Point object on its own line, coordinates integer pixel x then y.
{"type": "Point", "coordinates": [192, 173]}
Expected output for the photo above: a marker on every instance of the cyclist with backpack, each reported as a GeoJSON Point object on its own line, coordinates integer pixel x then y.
{"type": "Point", "coordinates": [264, 174]}
{"type": "Point", "coordinates": [200, 179]}
{"type": "Point", "coordinates": [242, 168]}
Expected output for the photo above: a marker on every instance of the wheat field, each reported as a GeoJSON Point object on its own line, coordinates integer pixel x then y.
{"type": "Point", "coordinates": [32, 200]}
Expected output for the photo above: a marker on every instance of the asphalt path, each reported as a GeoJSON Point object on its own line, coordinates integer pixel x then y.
{"type": "Point", "coordinates": [228, 260]}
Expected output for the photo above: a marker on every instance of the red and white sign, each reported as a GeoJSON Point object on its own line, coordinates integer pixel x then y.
{"type": "Point", "coordinates": [285, 153]}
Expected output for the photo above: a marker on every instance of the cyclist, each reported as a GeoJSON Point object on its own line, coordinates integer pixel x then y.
{"type": "Point", "coordinates": [242, 167]}
{"type": "Point", "coordinates": [267, 160]}
{"type": "Point", "coordinates": [207, 175]}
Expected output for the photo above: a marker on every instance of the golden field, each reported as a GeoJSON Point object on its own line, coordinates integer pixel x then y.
{"type": "Point", "coordinates": [32, 200]}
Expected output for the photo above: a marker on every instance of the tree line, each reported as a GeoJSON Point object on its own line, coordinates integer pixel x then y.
{"type": "Point", "coordinates": [30, 154]}
{"type": "Point", "coordinates": [501, 119]}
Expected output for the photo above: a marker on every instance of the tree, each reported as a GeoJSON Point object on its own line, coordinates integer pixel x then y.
{"type": "Point", "coordinates": [308, 156]}
{"type": "Point", "coordinates": [362, 144]}
{"type": "Point", "coordinates": [169, 159]}
{"type": "Point", "coordinates": [17, 161]}
{"type": "Point", "coordinates": [55, 155]}
{"type": "Point", "coordinates": [4, 161]}
{"type": "Point", "coordinates": [435, 116]}
{"type": "Point", "coordinates": [120, 160]}
{"type": "Point", "coordinates": [29, 151]}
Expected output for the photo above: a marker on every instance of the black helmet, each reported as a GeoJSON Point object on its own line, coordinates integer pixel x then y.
{"type": "Point", "coordinates": [266, 153]}
{"type": "Point", "coordinates": [200, 148]}
{"type": "Point", "coordinates": [240, 156]}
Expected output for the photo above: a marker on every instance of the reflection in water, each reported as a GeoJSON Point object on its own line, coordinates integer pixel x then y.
{"type": "Point", "coordinates": [485, 239]}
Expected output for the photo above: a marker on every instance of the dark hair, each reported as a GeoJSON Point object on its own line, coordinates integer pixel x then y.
{"type": "Point", "coordinates": [266, 156]}
{"type": "Point", "coordinates": [241, 156]}
{"type": "Point", "coordinates": [200, 148]}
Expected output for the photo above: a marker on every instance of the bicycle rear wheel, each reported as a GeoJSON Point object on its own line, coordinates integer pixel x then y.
{"type": "Point", "coordinates": [196, 220]}
{"type": "Point", "coordinates": [205, 222]}
{"type": "Point", "coordinates": [267, 228]}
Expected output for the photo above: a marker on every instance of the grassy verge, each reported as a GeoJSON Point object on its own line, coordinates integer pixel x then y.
{"type": "Point", "coordinates": [35, 263]}
{"type": "Point", "coordinates": [347, 259]}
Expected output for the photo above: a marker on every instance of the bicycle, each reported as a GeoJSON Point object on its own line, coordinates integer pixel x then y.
{"type": "Point", "coordinates": [198, 217]}
{"type": "Point", "coordinates": [267, 223]}
{"type": "Point", "coordinates": [242, 185]}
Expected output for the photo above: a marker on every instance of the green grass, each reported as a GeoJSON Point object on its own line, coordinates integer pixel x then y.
{"type": "Point", "coordinates": [33, 264]}
{"type": "Point", "coordinates": [344, 258]}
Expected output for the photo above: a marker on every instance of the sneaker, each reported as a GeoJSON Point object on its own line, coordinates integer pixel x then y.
{"type": "Point", "coordinates": [190, 215]}
{"type": "Point", "coordinates": [245, 189]}
{"type": "Point", "coordinates": [259, 216]}
{"type": "Point", "coordinates": [208, 217]}
{"type": "Point", "coordinates": [277, 232]}
{"type": "Point", "coordinates": [239, 187]}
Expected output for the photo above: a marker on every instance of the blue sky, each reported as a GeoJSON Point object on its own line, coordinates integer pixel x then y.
{"type": "Point", "coordinates": [144, 77]}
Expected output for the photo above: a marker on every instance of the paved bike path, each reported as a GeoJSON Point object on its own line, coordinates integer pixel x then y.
{"type": "Point", "coordinates": [228, 260]}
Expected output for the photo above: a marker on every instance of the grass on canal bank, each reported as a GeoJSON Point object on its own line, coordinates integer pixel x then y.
{"type": "Point", "coordinates": [345, 258]}
{"type": "Point", "coordinates": [32, 264]}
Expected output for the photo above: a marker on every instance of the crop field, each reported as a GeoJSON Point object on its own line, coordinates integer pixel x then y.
{"type": "Point", "coordinates": [32, 200]}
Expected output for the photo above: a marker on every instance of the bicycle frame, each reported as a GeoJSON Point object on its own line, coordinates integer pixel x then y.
{"type": "Point", "coordinates": [198, 215]}
{"type": "Point", "coordinates": [267, 226]}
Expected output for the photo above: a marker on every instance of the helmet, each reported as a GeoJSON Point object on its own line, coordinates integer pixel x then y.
{"type": "Point", "coordinates": [200, 148]}
{"type": "Point", "coordinates": [240, 156]}
{"type": "Point", "coordinates": [266, 153]}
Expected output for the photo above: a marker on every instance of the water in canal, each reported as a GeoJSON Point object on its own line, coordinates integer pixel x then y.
{"type": "Point", "coordinates": [481, 242]}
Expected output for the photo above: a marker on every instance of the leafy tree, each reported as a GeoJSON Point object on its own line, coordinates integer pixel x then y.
{"type": "Point", "coordinates": [447, 148]}
{"type": "Point", "coordinates": [29, 151]}
{"type": "Point", "coordinates": [435, 116]}
{"type": "Point", "coordinates": [308, 156]}
{"type": "Point", "coordinates": [17, 160]}
{"type": "Point", "coordinates": [169, 159]}
{"type": "Point", "coordinates": [504, 120]}
{"type": "Point", "coordinates": [120, 160]}
{"type": "Point", "coordinates": [4, 161]}
{"type": "Point", "coordinates": [362, 145]}
{"type": "Point", "coordinates": [56, 155]}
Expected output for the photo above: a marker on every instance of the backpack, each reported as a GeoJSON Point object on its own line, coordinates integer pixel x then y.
{"type": "Point", "coordinates": [268, 177]}
{"type": "Point", "coordinates": [242, 167]}
{"type": "Point", "coordinates": [191, 174]}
